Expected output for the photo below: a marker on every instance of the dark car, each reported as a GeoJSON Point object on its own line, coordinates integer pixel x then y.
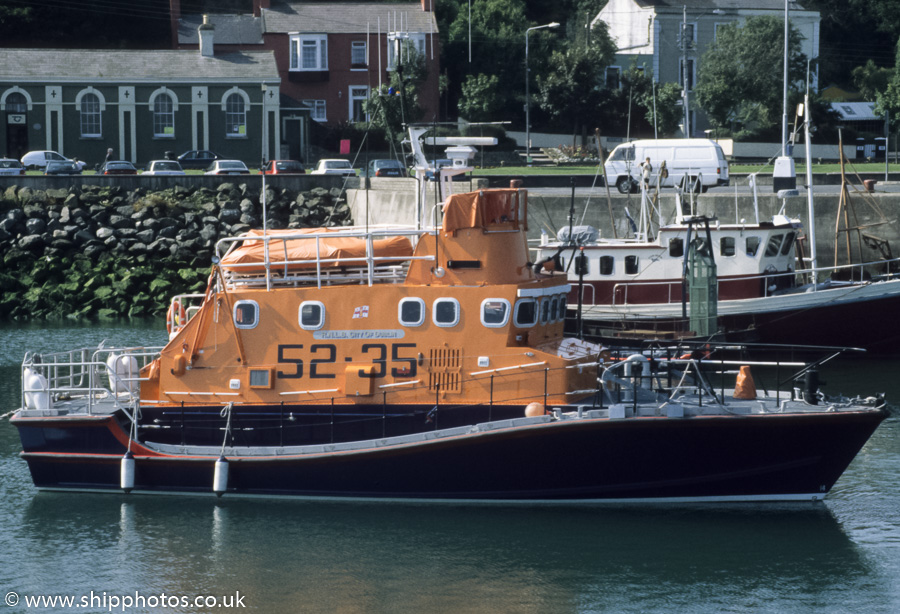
{"type": "Point", "coordinates": [117, 167]}
{"type": "Point", "coordinates": [67, 167]}
{"type": "Point", "coordinates": [198, 159]}
{"type": "Point", "coordinates": [282, 167]}
{"type": "Point", "coordinates": [385, 168]}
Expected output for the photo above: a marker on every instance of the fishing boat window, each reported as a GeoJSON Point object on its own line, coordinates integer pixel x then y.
{"type": "Point", "coordinates": [526, 313]}
{"type": "Point", "coordinates": [545, 309]}
{"type": "Point", "coordinates": [606, 265]}
{"type": "Point", "coordinates": [752, 246]}
{"type": "Point", "coordinates": [788, 243]}
{"type": "Point", "coordinates": [631, 265]}
{"type": "Point", "coordinates": [562, 307]}
{"type": "Point", "coordinates": [246, 314]}
{"type": "Point", "coordinates": [312, 315]}
{"type": "Point", "coordinates": [495, 312]}
{"type": "Point", "coordinates": [554, 309]}
{"type": "Point", "coordinates": [445, 312]}
{"type": "Point", "coordinates": [411, 311]}
{"type": "Point", "coordinates": [676, 247]}
{"type": "Point", "coordinates": [726, 246]}
{"type": "Point", "coordinates": [773, 245]}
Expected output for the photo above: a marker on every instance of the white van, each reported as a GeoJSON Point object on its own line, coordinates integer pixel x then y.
{"type": "Point", "coordinates": [702, 160]}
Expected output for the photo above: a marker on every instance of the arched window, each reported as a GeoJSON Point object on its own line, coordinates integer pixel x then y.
{"type": "Point", "coordinates": [90, 116]}
{"type": "Point", "coordinates": [16, 103]}
{"type": "Point", "coordinates": [163, 116]}
{"type": "Point", "coordinates": [235, 116]}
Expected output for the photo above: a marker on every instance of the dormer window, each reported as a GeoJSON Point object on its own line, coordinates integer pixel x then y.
{"type": "Point", "coordinates": [309, 52]}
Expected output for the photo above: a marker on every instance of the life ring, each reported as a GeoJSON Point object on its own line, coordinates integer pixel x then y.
{"type": "Point", "coordinates": [175, 315]}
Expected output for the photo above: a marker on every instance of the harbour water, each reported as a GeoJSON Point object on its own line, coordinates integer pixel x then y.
{"type": "Point", "coordinates": [160, 554]}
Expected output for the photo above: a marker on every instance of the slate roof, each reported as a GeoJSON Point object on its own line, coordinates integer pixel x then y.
{"type": "Point", "coordinates": [856, 111]}
{"type": "Point", "coordinates": [709, 5]}
{"type": "Point", "coordinates": [229, 29]}
{"type": "Point", "coordinates": [346, 17]}
{"type": "Point", "coordinates": [130, 66]}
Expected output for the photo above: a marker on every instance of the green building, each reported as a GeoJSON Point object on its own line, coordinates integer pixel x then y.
{"type": "Point", "coordinates": [141, 104]}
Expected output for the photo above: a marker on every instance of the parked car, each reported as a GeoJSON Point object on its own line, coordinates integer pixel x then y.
{"type": "Point", "coordinates": [39, 159]}
{"type": "Point", "coordinates": [57, 167]}
{"type": "Point", "coordinates": [117, 167]}
{"type": "Point", "coordinates": [701, 160]}
{"type": "Point", "coordinates": [282, 167]}
{"type": "Point", "coordinates": [334, 167]}
{"type": "Point", "coordinates": [385, 168]}
{"type": "Point", "coordinates": [227, 167]}
{"type": "Point", "coordinates": [199, 159]}
{"type": "Point", "coordinates": [8, 166]}
{"type": "Point", "coordinates": [163, 167]}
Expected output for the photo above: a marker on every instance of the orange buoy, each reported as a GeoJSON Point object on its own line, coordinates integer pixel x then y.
{"type": "Point", "coordinates": [744, 388]}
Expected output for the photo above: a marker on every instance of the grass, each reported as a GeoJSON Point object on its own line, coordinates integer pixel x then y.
{"type": "Point", "coordinates": [852, 168]}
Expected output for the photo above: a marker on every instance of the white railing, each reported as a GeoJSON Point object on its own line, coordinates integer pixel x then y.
{"type": "Point", "coordinates": [85, 376]}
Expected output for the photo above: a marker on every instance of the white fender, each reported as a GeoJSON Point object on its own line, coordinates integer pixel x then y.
{"type": "Point", "coordinates": [220, 476]}
{"type": "Point", "coordinates": [126, 472]}
{"type": "Point", "coordinates": [123, 373]}
{"type": "Point", "coordinates": [37, 391]}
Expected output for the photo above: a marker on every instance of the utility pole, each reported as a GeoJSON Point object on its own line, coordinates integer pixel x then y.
{"type": "Point", "coordinates": [684, 73]}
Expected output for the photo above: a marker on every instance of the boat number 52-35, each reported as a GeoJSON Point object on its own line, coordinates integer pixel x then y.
{"type": "Point", "coordinates": [322, 354]}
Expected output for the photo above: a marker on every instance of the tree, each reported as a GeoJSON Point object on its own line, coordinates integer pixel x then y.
{"type": "Point", "coordinates": [741, 75]}
{"type": "Point", "coordinates": [397, 102]}
{"type": "Point", "coordinates": [481, 98]}
{"type": "Point", "coordinates": [871, 80]}
{"type": "Point", "coordinates": [889, 100]}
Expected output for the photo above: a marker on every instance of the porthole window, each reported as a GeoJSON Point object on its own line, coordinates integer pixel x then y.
{"type": "Point", "coordinates": [494, 312]}
{"type": "Point", "coordinates": [606, 265]}
{"type": "Point", "coordinates": [631, 265]}
{"type": "Point", "coordinates": [526, 313]}
{"type": "Point", "coordinates": [246, 314]}
{"type": "Point", "coordinates": [676, 247]}
{"type": "Point", "coordinates": [445, 312]}
{"type": "Point", "coordinates": [411, 312]}
{"type": "Point", "coordinates": [726, 246]}
{"type": "Point", "coordinates": [312, 315]}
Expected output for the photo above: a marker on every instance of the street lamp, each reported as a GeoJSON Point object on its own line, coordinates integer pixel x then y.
{"type": "Point", "coordinates": [527, 97]}
{"type": "Point", "coordinates": [685, 43]}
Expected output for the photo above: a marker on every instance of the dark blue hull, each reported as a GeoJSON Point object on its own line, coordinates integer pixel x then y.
{"type": "Point", "coordinates": [724, 457]}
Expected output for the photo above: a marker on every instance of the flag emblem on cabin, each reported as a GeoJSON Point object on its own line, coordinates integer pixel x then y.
{"type": "Point", "coordinates": [361, 312]}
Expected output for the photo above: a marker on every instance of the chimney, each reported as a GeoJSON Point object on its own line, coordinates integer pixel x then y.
{"type": "Point", "coordinates": [428, 6]}
{"type": "Point", "coordinates": [206, 31]}
{"type": "Point", "coordinates": [259, 5]}
{"type": "Point", "coordinates": [174, 17]}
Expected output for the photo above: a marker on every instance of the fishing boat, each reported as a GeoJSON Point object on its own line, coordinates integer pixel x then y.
{"type": "Point", "coordinates": [416, 364]}
{"type": "Point", "coordinates": [762, 288]}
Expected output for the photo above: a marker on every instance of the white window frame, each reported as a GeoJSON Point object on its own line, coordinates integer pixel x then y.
{"type": "Point", "coordinates": [537, 312]}
{"type": "Point", "coordinates": [167, 116]}
{"type": "Point", "coordinates": [316, 326]}
{"type": "Point", "coordinates": [318, 108]}
{"type": "Point", "coordinates": [505, 317]}
{"type": "Point", "coordinates": [411, 324]}
{"type": "Point", "coordinates": [355, 97]}
{"type": "Point", "coordinates": [232, 116]}
{"type": "Point", "coordinates": [434, 312]}
{"type": "Point", "coordinates": [315, 42]}
{"type": "Point", "coordinates": [234, 312]}
{"type": "Point", "coordinates": [87, 117]}
{"type": "Point", "coordinates": [358, 48]}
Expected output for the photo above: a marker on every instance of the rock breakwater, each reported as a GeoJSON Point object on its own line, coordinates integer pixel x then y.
{"type": "Point", "coordinates": [107, 252]}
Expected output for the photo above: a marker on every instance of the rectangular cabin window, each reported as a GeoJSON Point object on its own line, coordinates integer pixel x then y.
{"type": "Point", "coordinates": [260, 378]}
{"type": "Point", "coordinates": [726, 246]}
{"type": "Point", "coordinates": [606, 265]}
{"type": "Point", "coordinates": [788, 243]}
{"type": "Point", "coordinates": [676, 247]}
{"type": "Point", "coordinates": [773, 245]}
{"type": "Point", "coordinates": [631, 265]}
{"type": "Point", "coordinates": [526, 313]}
{"type": "Point", "coordinates": [752, 246]}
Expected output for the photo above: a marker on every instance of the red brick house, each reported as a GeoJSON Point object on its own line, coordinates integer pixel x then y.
{"type": "Point", "coordinates": [330, 55]}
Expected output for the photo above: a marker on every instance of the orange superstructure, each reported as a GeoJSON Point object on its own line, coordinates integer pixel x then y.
{"type": "Point", "coordinates": [462, 319]}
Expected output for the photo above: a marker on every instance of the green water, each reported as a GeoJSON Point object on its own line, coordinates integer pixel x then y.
{"type": "Point", "coordinates": [292, 556]}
